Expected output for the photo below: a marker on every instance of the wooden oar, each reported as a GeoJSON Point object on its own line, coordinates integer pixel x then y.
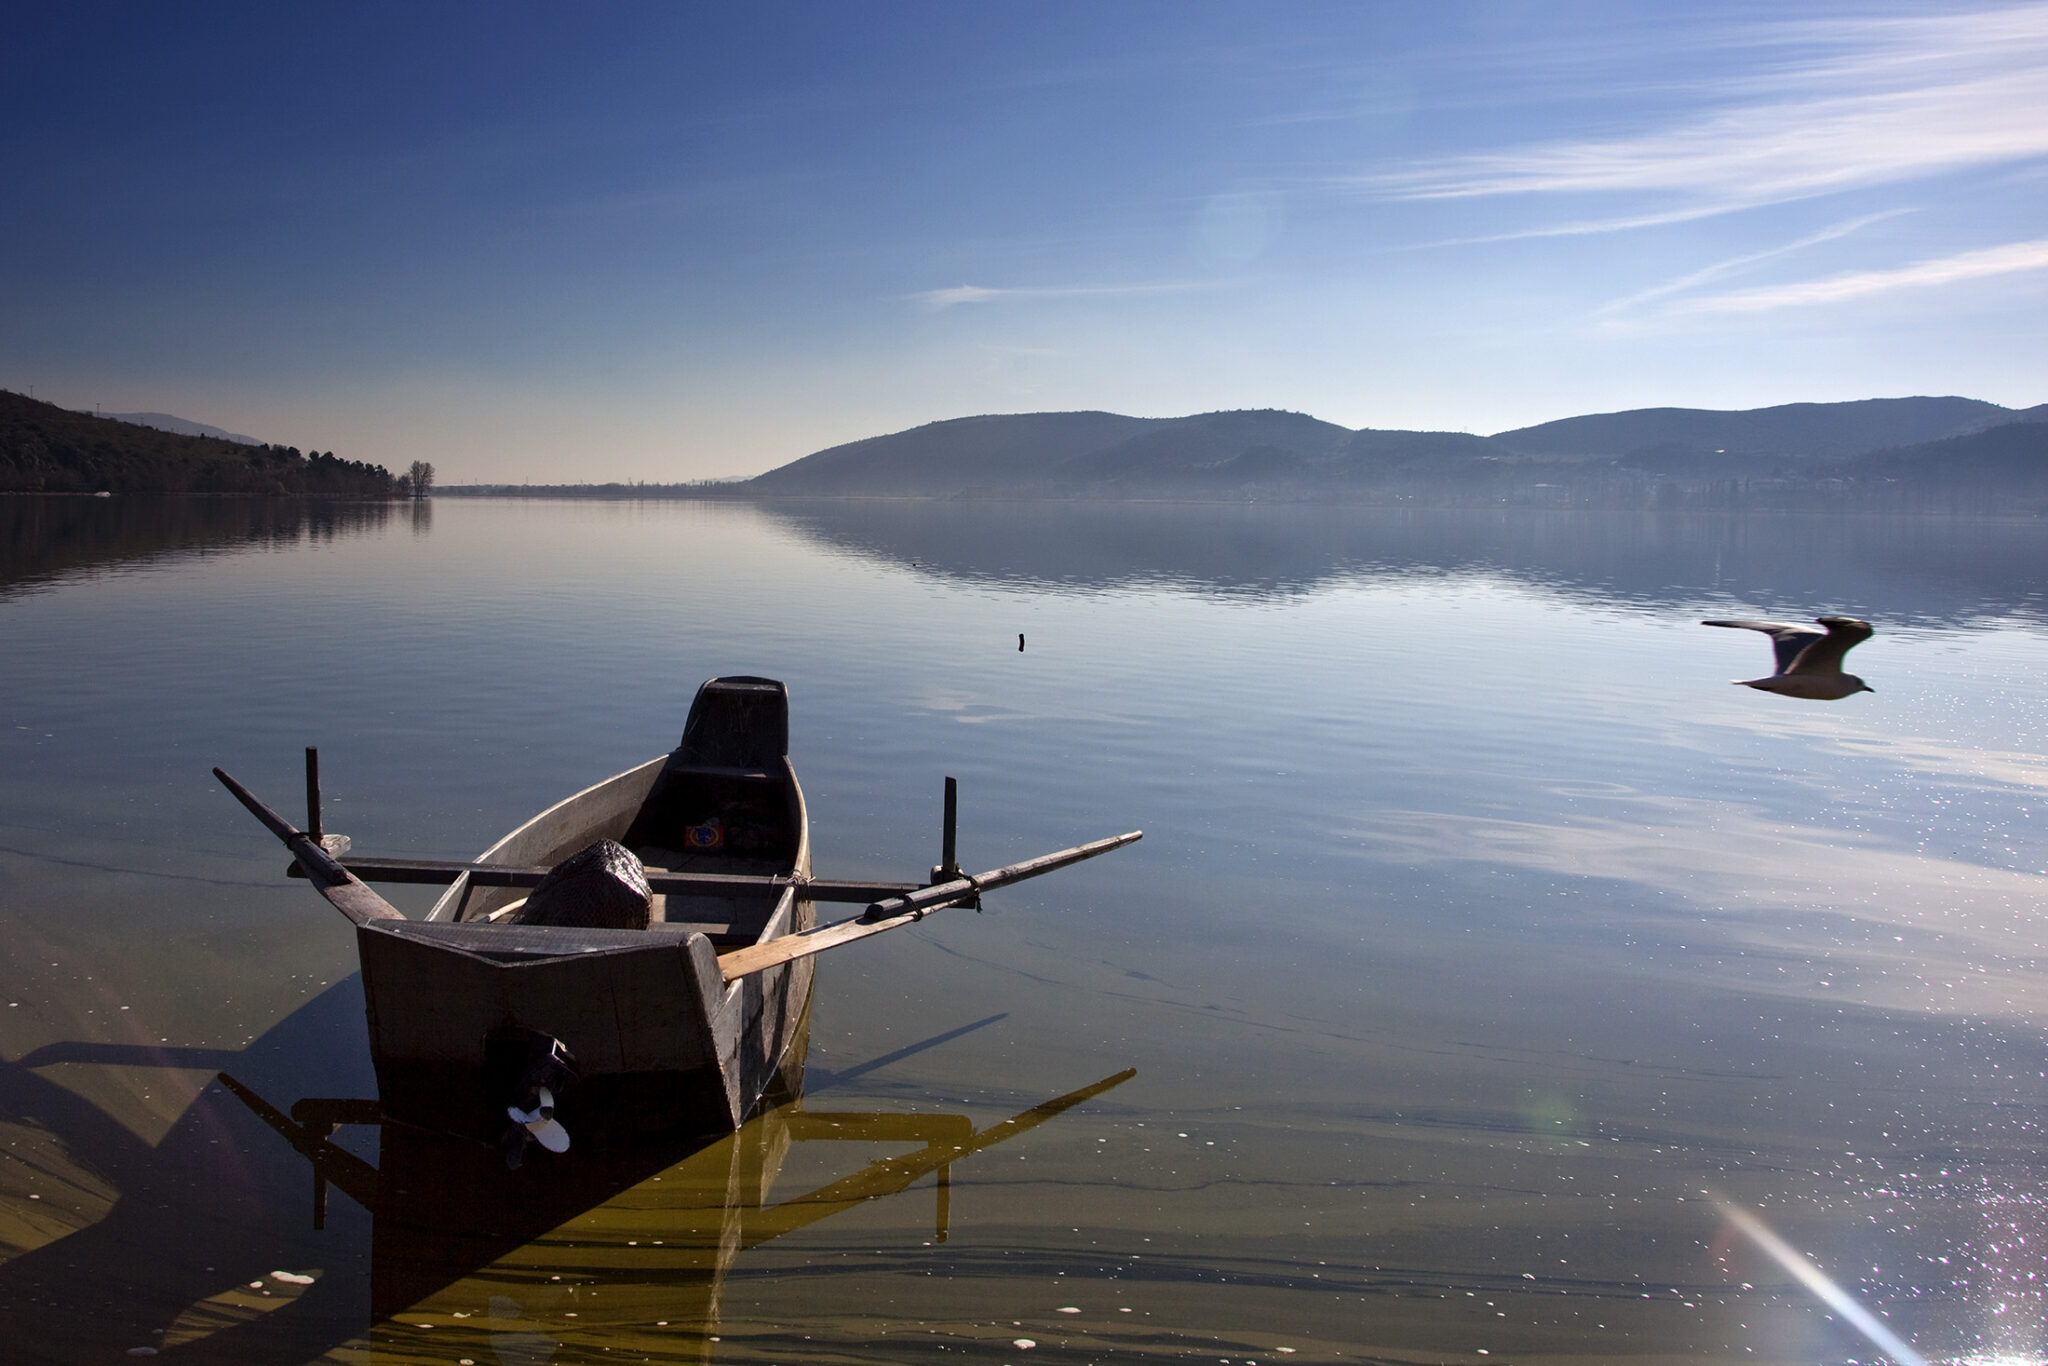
{"type": "Point", "coordinates": [346, 892]}
{"type": "Point", "coordinates": [897, 911]}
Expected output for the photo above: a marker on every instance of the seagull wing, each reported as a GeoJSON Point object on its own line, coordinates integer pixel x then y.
{"type": "Point", "coordinates": [1789, 639]}
{"type": "Point", "coordinates": [1824, 654]}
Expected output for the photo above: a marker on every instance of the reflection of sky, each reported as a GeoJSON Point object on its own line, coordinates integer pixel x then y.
{"type": "Point", "coordinates": [1452, 886]}
{"type": "Point", "coordinates": [1407, 721]}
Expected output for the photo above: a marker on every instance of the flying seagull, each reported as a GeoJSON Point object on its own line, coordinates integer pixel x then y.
{"type": "Point", "coordinates": [1809, 661]}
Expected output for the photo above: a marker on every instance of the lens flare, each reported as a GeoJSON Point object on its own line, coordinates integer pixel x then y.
{"type": "Point", "coordinates": [1814, 1279]}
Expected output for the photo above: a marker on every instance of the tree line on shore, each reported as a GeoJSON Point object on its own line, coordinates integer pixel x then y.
{"type": "Point", "coordinates": [48, 449]}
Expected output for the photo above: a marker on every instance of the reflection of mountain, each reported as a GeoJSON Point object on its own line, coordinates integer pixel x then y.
{"type": "Point", "coordinates": [1899, 568]}
{"type": "Point", "coordinates": [48, 537]}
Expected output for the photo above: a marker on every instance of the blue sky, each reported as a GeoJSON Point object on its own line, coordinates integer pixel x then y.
{"type": "Point", "coordinates": [684, 240]}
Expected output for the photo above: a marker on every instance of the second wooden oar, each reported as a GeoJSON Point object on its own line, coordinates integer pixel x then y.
{"type": "Point", "coordinates": [901, 910]}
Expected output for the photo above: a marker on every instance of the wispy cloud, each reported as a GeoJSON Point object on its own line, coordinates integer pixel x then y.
{"type": "Point", "coordinates": [1765, 153]}
{"type": "Point", "coordinates": [959, 295]}
{"type": "Point", "coordinates": [1584, 227]}
{"type": "Point", "coordinates": [2009, 259]}
{"type": "Point", "coordinates": [1853, 105]}
{"type": "Point", "coordinates": [1719, 269]}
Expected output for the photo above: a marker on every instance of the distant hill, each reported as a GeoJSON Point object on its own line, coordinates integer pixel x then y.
{"type": "Point", "coordinates": [1108, 455]}
{"type": "Point", "coordinates": [1671, 455]}
{"type": "Point", "coordinates": [1820, 431]}
{"type": "Point", "coordinates": [1267, 450]}
{"type": "Point", "coordinates": [955, 456]}
{"type": "Point", "coordinates": [48, 449]}
{"type": "Point", "coordinates": [183, 426]}
{"type": "Point", "coordinates": [2010, 459]}
{"type": "Point", "coordinates": [1256, 444]}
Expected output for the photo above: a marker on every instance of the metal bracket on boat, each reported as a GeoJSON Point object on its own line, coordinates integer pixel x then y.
{"type": "Point", "coordinates": [947, 869]}
{"type": "Point", "coordinates": [337, 845]}
{"type": "Point", "coordinates": [343, 889]}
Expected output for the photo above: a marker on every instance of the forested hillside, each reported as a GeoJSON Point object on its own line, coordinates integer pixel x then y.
{"type": "Point", "coordinates": [48, 449]}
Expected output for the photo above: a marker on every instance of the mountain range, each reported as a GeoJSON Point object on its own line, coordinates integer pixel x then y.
{"type": "Point", "coordinates": [1897, 449]}
{"type": "Point", "coordinates": [182, 426]}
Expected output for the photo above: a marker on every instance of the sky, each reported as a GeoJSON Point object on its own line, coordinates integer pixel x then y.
{"type": "Point", "coordinates": [662, 242]}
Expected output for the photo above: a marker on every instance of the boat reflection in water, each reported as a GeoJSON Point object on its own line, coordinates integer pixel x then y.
{"type": "Point", "coordinates": [619, 1250]}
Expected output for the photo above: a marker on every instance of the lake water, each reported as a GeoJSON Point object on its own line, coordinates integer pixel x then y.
{"type": "Point", "coordinates": [1496, 982]}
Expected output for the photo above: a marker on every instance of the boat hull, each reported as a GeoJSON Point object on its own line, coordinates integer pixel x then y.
{"type": "Point", "coordinates": [661, 1042]}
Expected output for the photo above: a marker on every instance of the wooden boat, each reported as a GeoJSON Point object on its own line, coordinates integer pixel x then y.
{"type": "Point", "coordinates": [677, 1026]}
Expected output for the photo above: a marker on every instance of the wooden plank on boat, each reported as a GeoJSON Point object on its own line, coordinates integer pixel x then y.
{"type": "Point", "coordinates": [895, 912]}
{"type": "Point", "coordinates": [619, 1000]}
{"type": "Point", "coordinates": [435, 872]}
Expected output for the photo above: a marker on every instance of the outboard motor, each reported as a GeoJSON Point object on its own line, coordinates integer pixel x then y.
{"type": "Point", "coordinates": [528, 1072]}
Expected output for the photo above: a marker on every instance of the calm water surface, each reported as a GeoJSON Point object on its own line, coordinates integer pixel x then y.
{"type": "Point", "coordinates": [1495, 981]}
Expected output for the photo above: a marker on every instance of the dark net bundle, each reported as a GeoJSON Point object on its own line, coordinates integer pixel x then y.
{"type": "Point", "coordinates": [599, 887]}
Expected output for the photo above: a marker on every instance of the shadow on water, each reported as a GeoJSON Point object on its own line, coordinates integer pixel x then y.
{"type": "Point", "coordinates": [1927, 569]}
{"type": "Point", "coordinates": [623, 1250]}
{"type": "Point", "coordinates": [189, 1223]}
{"type": "Point", "coordinates": [819, 1081]}
{"type": "Point", "coordinates": [601, 1250]}
{"type": "Point", "coordinates": [44, 539]}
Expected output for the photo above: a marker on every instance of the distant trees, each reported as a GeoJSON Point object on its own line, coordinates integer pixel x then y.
{"type": "Point", "coordinates": [47, 449]}
{"type": "Point", "coordinates": [420, 478]}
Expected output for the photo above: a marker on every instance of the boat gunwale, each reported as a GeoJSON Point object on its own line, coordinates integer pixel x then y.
{"type": "Point", "coordinates": [632, 787]}
{"type": "Point", "coordinates": [452, 900]}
